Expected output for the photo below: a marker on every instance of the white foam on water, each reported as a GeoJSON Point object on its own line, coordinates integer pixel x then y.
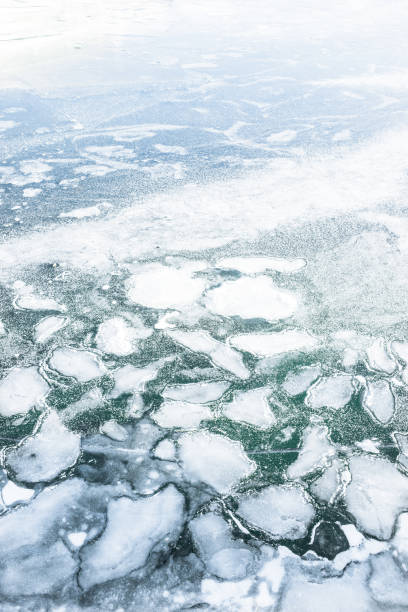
{"type": "Point", "coordinates": [274, 343]}
{"type": "Point", "coordinates": [379, 400]}
{"type": "Point", "coordinates": [331, 392]}
{"type": "Point", "coordinates": [316, 452]}
{"type": "Point", "coordinates": [252, 298]}
{"type": "Point", "coordinates": [251, 407]}
{"type": "Point", "coordinates": [199, 392]}
{"type": "Point", "coordinates": [115, 336]}
{"type": "Point", "coordinates": [80, 364]}
{"type": "Point", "coordinates": [20, 390]}
{"type": "Point", "coordinates": [174, 413]}
{"type": "Point", "coordinates": [214, 460]}
{"type": "Point", "coordinates": [256, 265]}
{"type": "Point", "coordinates": [47, 327]}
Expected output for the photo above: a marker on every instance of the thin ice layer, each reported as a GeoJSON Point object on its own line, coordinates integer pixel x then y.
{"type": "Point", "coordinates": [299, 381]}
{"type": "Point", "coordinates": [331, 392]}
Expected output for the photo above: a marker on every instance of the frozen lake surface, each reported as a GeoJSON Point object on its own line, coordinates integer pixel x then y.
{"type": "Point", "coordinates": [203, 305]}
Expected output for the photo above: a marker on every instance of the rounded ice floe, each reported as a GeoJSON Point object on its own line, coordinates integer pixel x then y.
{"type": "Point", "coordinates": [376, 495]}
{"type": "Point", "coordinates": [134, 528]}
{"type": "Point", "coordinates": [47, 453]}
{"type": "Point", "coordinates": [80, 364]}
{"type": "Point", "coordinates": [274, 343]}
{"type": "Point", "coordinates": [379, 400]}
{"type": "Point", "coordinates": [282, 511]}
{"type": "Point", "coordinates": [158, 286]}
{"type": "Point", "coordinates": [299, 381]}
{"type": "Point", "coordinates": [255, 265]}
{"type": "Point", "coordinates": [196, 393]}
{"type": "Point", "coordinates": [165, 450]}
{"type": "Point", "coordinates": [20, 390]}
{"type": "Point", "coordinates": [379, 359]}
{"type": "Point", "coordinates": [47, 327]}
{"type": "Point", "coordinates": [117, 337]}
{"type": "Point", "coordinates": [251, 407]}
{"type": "Point", "coordinates": [186, 415]}
{"type": "Point", "coordinates": [252, 298]}
{"type": "Point", "coordinates": [214, 460]}
{"type": "Point", "coordinates": [331, 392]}
{"type": "Point", "coordinates": [316, 452]}
{"type": "Point", "coordinates": [12, 493]}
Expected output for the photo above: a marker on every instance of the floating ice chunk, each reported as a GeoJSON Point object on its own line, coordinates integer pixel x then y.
{"type": "Point", "coordinates": [299, 381]}
{"type": "Point", "coordinates": [281, 511]}
{"type": "Point", "coordinates": [12, 493]}
{"type": "Point", "coordinates": [113, 430]}
{"type": "Point", "coordinates": [158, 286]}
{"type": "Point", "coordinates": [20, 390]}
{"type": "Point", "coordinates": [223, 556]}
{"type": "Point", "coordinates": [252, 298]}
{"type": "Point", "coordinates": [400, 539]}
{"type": "Point", "coordinates": [27, 300]}
{"type": "Point", "coordinates": [181, 414]}
{"type": "Point", "coordinates": [81, 213]}
{"type": "Point", "coordinates": [30, 192]}
{"type": "Point", "coordinates": [165, 450]}
{"type": "Point", "coordinates": [117, 337]}
{"type": "Point", "coordinates": [2, 329]}
{"type": "Point", "coordinates": [369, 446]}
{"type": "Point", "coordinates": [274, 343]}
{"type": "Point", "coordinates": [327, 485]}
{"type": "Point", "coordinates": [221, 355]}
{"type": "Point", "coordinates": [155, 522]}
{"type": "Point", "coordinates": [379, 359]}
{"type": "Point", "coordinates": [376, 495]}
{"type": "Point", "coordinates": [331, 392]}
{"type": "Point", "coordinates": [400, 349]}
{"type": "Point", "coordinates": [388, 582]}
{"type": "Point", "coordinates": [47, 327]}
{"type": "Point", "coordinates": [130, 379]}
{"type": "Point", "coordinates": [378, 399]}
{"type": "Point", "coordinates": [251, 407]}
{"type": "Point", "coordinates": [316, 452]}
{"type": "Point", "coordinates": [214, 460]}
{"type": "Point", "coordinates": [77, 538]}
{"type": "Point", "coordinates": [255, 265]}
{"type": "Point", "coordinates": [197, 393]}
{"type": "Point", "coordinates": [47, 453]}
{"type": "Point", "coordinates": [80, 364]}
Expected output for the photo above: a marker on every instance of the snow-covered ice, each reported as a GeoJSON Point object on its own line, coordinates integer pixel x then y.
{"type": "Point", "coordinates": [298, 381]}
{"type": "Point", "coordinates": [80, 364]}
{"type": "Point", "coordinates": [379, 359]}
{"type": "Point", "coordinates": [316, 451]}
{"type": "Point", "coordinates": [117, 337]}
{"type": "Point", "coordinates": [331, 392]}
{"type": "Point", "coordinates": [197, 393]}
{"type": "Point", "coordinates": [379, 400]}
{"type": "Point", "coordinates": [274, 343]}
{"type": "Point", "coordinates": [174, 413]}
{"type": "Point", "coordinates": [20, 390]}
{"type": "Point", "coordinates": [113, 430]}
{"type": "Point", "coordinates": [12, 493]}
{"type": "Point", "coordinates": [165, 450]}
{"type": "Point", "coordinates": [251, 407]}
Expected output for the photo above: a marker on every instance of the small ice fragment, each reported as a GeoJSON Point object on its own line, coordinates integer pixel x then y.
{"type": "Point", "coordinates": [129, 379]}
{"type": "Point", "coordinates": [113, 430]}
{"type": "Point", "coordinates": [81, 213]}
{"type": "Point", "coordinates": [274, 343]}
{"type": "Point", "coordinates": [197, 393]}
{"type": "Point", "coordinates": [214, 459]}
{"type": "Point", "coordinates": [173, 413]}
{"type": "Point", "coordinates": [255, 265]}
{"type": "Point", "coordinates": [27, 300]}
{"type": "Point", "coordinates": [30, 192]}
{"type": "Point", "coordinates": [80, 364]}
{"type": "Point", "coordinates": [171, 149]}
{"type": "Point", "coordinates": [20, 390]}
{"type": "Point", "coordinates": [281, 137]}
{"type": "Point", "coordinates": [221, 354]}
{"type": "Point", "coordinates": [158, 286]}
{"type": "Point", "coordinates": [47, 327]}
{"type": "Point", "coordinates": [378, 399]}
{"type": "Point", "coordinates": [316, 452]}
{"type": "Point", "coordinates": [165, 450]}
{"type": "Point", "coordinates": [252, 298]}
{"type": "Point", "coordinates": [12, 493]}
{"type": "Point", "coordinates": [251, 407]}
{"type": "Point", "coordinates": [117, 337]}
{"type": "Point", "coordinates": [331, 392]}
{"type": "Point", "coordinates": [379, 359]}
{"type": "Point", "coordinates": [47, 453]}
{"type": "Point", "coordinates": [77, 538]}
{"type": "Point", "coordinates": [281, 511]}
{"type": "Point", "coordinates": [299, 381]}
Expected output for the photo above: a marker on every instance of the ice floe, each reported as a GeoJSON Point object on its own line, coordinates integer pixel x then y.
{"type": "Point", "coordinates": [81, 213]}
{"type": "Point", "coordinates": [43, 456]}
{"type": "Point", "coordinates": [214, 460]}
{"type": "Point", "coordinates": [251, 407]}
{"type": "Point", "coordinates": [113, 430]}
{"type": "Point", "coordinates": [197, 393]}
{"type": "Point", "coordinates": [12, 493]}
{"type": "Point", "coordinates": [326, 486]}
{"type": "Point", "coordinates": [316, 452]}
{"type": "Point", "coordinates": [252, 298]}
{"type": "Point", "coordinates": [400, 349]}
{"type": "Point", "coordinates": [379, 359]}
{"type": "Point", "coordinates": [76, 363]}
{"type": "Point", "coordinates": [165, 450]}
{"type": "Point", "coordinates": [274, 343]}
{"type": "Point", "coordinates": [117, 337]}
{"type": "Point", "coordinates": [221, 354]}
{"type": "Point", "coordinates": [379, 400]}
{"type": "Point", "coordinates": [298, 381]}
{"type": "Point", "coordinates": [255, 265]}
{"type": "Point", "coordinates": [47, 327]}
{"type": "Point", "coordinates": [331, 392]}
{"type": "Point", "coordinates": [20, 390]}
{"type": "Point", "coordinates": [27, 300]}
{"type": "Point", "coordinates": [282, 511]}
{"type": "Point", "coordinates": [173, 413]}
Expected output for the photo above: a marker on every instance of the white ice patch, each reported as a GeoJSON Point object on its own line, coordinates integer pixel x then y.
{"type": "Point", "coordinates": [30, 192]}
{"type": "Point", "coordinates": [327, 485]}
{"type": "Point", "coordinates": [134, 529]}
{"type": "Point", "coordinates": [316, 452]}
{"type": "Point", "coordinates": [12, 494]}
{"type": "Point", "coordinates": [376, 495]}
{"type": "Point", "coordinates": [401, 350]}
{"type": "Point", "coordinates": [175, 149]}
{"type": "Point", "coordinates": [115, 336]}
{"type": "Point", "coordinates": [79, 364]}
{"type": "Point", "coordinates": [113, 430]}
{"type": "Point", "coordinates": [165, 450]}
{"type": "Point", "coordinates": [274, 343]}
{"type": "Point", "coordinates": [29, 301]}
{"type": "Point", "coordinates": [47, 453]}
{"type": "Point", "coordinates": [214, 460]}
{"type": "Point", "coordinates": [196, 393]}
{"type": "Point", "coordinates": [252, 298]}
{"type": "Point", "coordinates": [281, 511]}
{"type": "Point", "coordinates": [379, 400]}
{"type": "Point", "coordinates": [331, 392]}
{"type": "Point", "coordinates": [173, 413]}
{"type": "Point", "coordinates": [77, 538]}
{"type": "Point", "coordinates": [81, 213]}
{"type": "Point", "coordinates": [219, 353]}
{"type": "Point", "coordinates": [130, 379]}
{"type": "Point", "coordinates": [20, 390]}
{"type": "Point", "coordinates": [47, 327]}
{"type": "Point", "coordinates": [2, 329]}
{"type": "Point", "coordinates": [158, 286]}
{"type": "Point", "coordinates": [256, 265]}
{"type": "Point", "coordinates": [299, 381]}
{"type": "Point", "coordinates": [223, 556]}
{"type": "Point", "coordinates": [379, 359]}
{"type": "Point", "coordinates": [251, 407]}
